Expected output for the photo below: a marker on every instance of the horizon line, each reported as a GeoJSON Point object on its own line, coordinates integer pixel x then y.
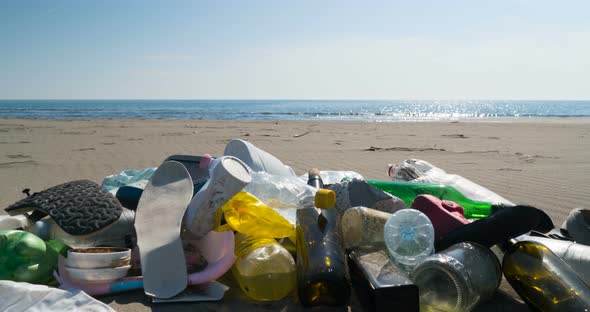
{"type": "Point", "coordinates": [284, 99]}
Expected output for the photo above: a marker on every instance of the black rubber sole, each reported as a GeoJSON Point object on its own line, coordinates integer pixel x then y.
{"type": "Point", "coordinates": [78, 207]}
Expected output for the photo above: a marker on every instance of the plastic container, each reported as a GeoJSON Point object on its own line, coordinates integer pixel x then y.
{"type": "Point", "coordinates": [362, 226]}
{"type": "Point", "coordinates": [409, 237]}
{"type": "Point", "coordinates": [284, 194]}
{"type": "Point", "coordinates": [103, 275]}
{"type": "Point", "coordinates": [98, 257]}
{"type": "Point", "coordinates": [265, 270]}
{"type": "Point", "coordinates": [119, 234]}
{"type": "Point", "coordinates": [458, 278]}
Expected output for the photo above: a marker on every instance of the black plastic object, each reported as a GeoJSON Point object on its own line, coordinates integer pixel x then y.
{"type": "Point", "coordinates": [499, 227]}
{"type": "Point", "coordinates": [129, 196]}
{"type": "Point", "coordinates": [78, 207]}
{"type": "Point", "coordinates": [379, 284]}
{"type": "Point", "coordinates": [198, 173]}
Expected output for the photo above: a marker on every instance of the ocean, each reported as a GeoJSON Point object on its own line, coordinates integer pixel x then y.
{"type": "Point", "coordinates": [345, 110]}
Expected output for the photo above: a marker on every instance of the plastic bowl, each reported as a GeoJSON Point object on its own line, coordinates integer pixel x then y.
{"type": "Point", "coordinates": [98, 257]}
{"type": "Point", "coordinates": [90, 276]}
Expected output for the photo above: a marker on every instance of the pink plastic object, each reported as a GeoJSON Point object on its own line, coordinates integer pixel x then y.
{"type": "Point", "coordinates": [218, 250]}
{"type": "Point", "coordinates": [445, 215]}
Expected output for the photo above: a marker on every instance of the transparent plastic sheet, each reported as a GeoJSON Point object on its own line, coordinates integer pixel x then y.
{"type": "Point", "coordinates": [333, 176]}
{"type": "Point", "coordinates": [127, 177]}
{"type": "Point", "coordinates": [31, 298]}
{"type": "Point", "coordinates": [284, 194]}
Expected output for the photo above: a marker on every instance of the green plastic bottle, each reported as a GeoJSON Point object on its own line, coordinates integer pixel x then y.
{"type": "Point", "coordinates": [265, 270]}
{"type": "Point", "coordinates": [407, 191]}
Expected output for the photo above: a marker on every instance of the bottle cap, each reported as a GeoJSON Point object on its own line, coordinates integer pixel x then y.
{"type": "Point", "coordinates": [325, 199]}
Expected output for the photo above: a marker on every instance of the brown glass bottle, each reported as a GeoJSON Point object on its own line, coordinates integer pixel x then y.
{"type": "Point", "coordinates": [543, 280]}
{"type": "Point", "coordinates": [322, 272]}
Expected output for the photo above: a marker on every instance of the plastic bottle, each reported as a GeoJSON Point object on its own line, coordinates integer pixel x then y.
{"type": "Point", "coordinates": [409, 237]}
{"type": "Point", "coordinates": [284, 194]}
{"type": "Point", "coordinates": [119, 234]}
{"type": "Point", "coordinates": [362, 226]}
{"type": "Point", "coordinates": [265, 270]}
{"type": "Point", "coordinates": [322, 272]}
{"type": "Point", "coordinates": [543, 280]}
{"type": "Point", "coordinates": [416, 170]}
{"type": "Point", "coordinates": [407, 191]}
{"type": "Point", "coordinates": [457, 278]}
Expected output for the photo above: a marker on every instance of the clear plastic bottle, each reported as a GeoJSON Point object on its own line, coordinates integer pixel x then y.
{"type": "Point", "coordinates": [265, 270]}
{"type": "Point", "coordinates": [409, 237]}
{"type": "Point", "coordinates": [362, 226]}
{"type": "Point", "coordinates": [416, 170]}
{"type": "Point", "coordinates": [286, 194]}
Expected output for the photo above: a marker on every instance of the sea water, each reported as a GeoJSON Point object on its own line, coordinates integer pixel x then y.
{"type": "Point", "coordinates": [346, 110]}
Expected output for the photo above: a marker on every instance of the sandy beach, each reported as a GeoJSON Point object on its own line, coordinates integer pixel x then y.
{"type": "Point", "coordinates": [540, 162]}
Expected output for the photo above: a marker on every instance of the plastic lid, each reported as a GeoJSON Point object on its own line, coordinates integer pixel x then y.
{"type": "Point", "coordinates": [325, 199]}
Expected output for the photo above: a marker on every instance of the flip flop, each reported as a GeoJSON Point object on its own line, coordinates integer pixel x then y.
{"type": "Point", "coordinates": [78, 207]}
{"type": "Point", "coordinates": [229, 176]}
{"type": "Point", "coordinates": [157, 222]}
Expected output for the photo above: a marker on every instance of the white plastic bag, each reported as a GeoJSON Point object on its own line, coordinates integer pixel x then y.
{"type": "Point", "coordinates": [17, 297]}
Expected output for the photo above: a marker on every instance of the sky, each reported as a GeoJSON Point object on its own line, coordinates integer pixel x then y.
{"type": "Point", "coordinates": [306, 49]}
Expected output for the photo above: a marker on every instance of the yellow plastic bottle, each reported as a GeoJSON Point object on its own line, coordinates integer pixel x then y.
{"type": "Point", "coordinates": [265, 270]}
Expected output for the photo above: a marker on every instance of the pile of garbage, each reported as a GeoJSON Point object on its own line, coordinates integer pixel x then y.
{"type": "Point", "coordinates": [421, 240]}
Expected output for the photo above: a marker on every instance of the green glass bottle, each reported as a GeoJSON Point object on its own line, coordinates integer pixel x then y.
{"type": "Point", "coordinates": [543, 280]}
{"type": "Point", "coordinates": [407, 191]}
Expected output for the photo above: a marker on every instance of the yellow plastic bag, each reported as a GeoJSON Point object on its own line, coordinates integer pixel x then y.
{"type": "Point", "coordinates": [248, 215]}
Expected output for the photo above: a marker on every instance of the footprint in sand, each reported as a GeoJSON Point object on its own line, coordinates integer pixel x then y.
{"type": "Point", "coordinates": [16, 163]}
{"type": "Point", "coordinates": [18, 156]}
{"type": "Point", "coordinates": [455, 136]}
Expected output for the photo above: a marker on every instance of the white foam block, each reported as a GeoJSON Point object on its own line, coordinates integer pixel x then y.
{"type": "Point", "coordinates": [157, 222]}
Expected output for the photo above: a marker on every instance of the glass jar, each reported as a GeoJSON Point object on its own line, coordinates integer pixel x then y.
{"type": "Point", "coordinates": [457, 278]}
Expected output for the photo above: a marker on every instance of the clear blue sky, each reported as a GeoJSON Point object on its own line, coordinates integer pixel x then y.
{"type": "Point", "coordinates": [314, 49]}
